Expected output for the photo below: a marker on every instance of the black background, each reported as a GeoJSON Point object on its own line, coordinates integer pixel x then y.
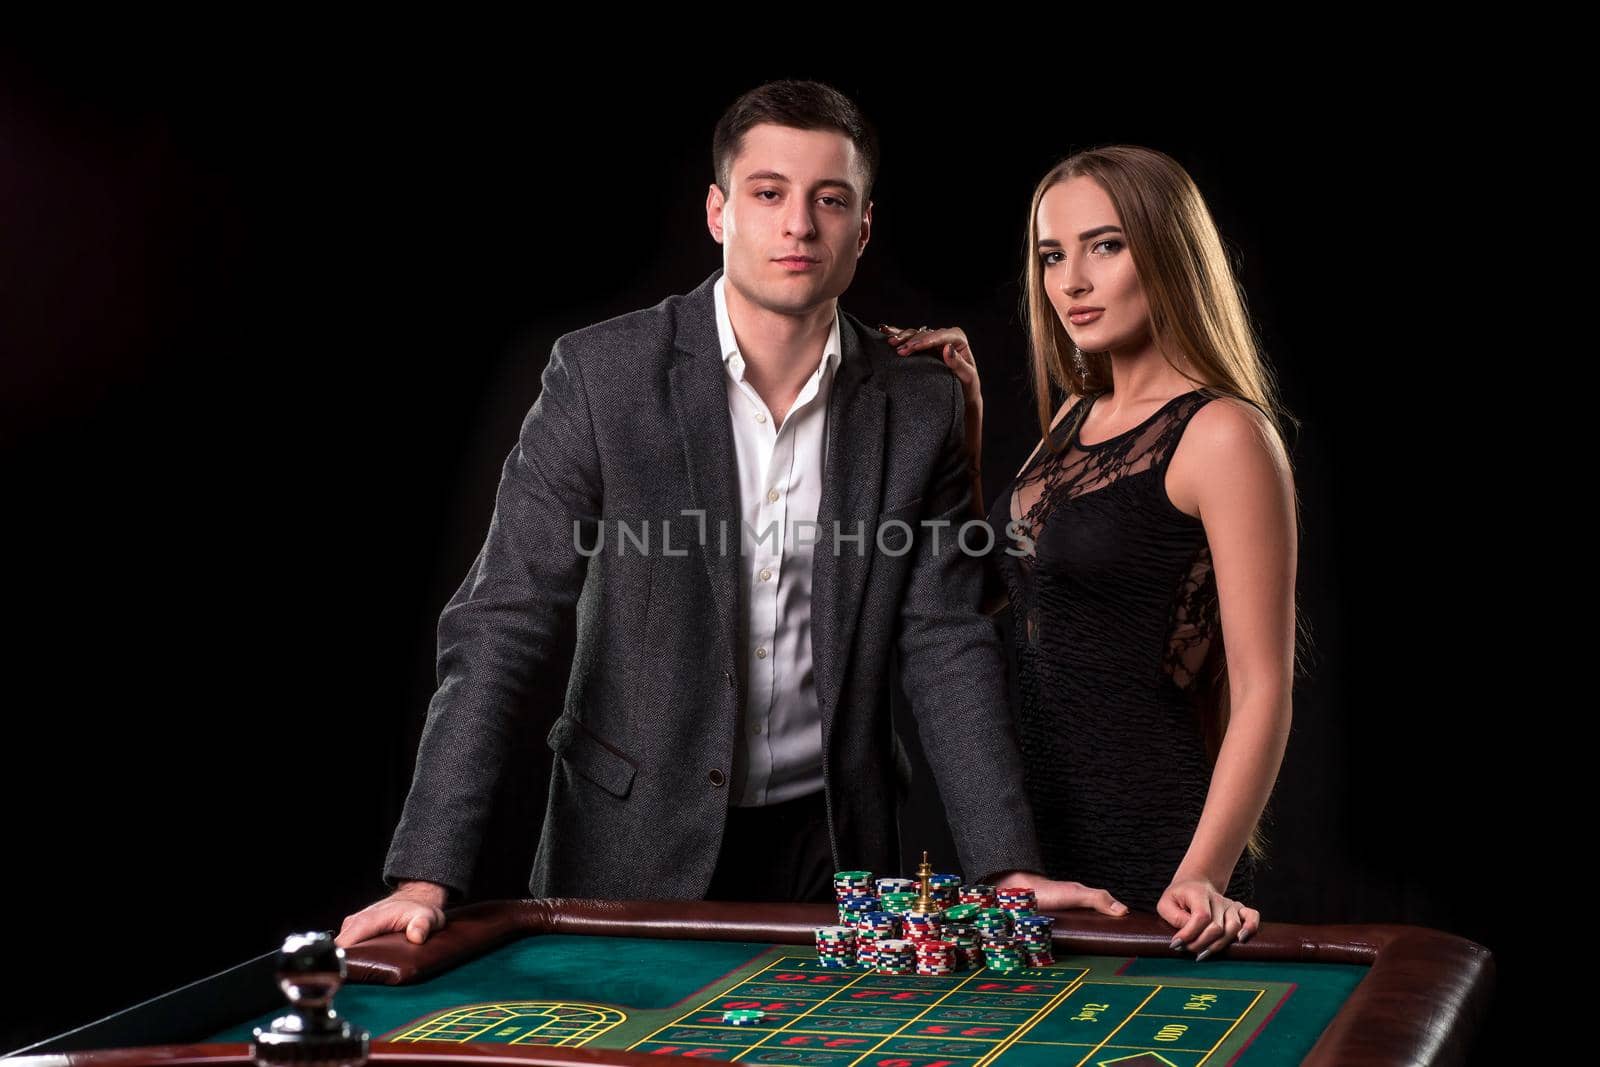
{"type": "Point", "coordinates": [271, 320]}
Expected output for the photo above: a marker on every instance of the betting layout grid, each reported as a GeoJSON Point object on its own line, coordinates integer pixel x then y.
{"type": "Point", "coordinates": [892, 931]}
{"type": "Point", "coordinates": [819, 1016]}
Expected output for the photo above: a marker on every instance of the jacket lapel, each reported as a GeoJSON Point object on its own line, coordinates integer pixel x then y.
{"type": "Point", "coordinates": [852, 478]}
{"type": "Point", "coordinates": [698, 382]}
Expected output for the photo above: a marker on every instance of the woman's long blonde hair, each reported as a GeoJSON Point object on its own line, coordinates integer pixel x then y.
{"type": "Point", "coordinates": [1197, 318]}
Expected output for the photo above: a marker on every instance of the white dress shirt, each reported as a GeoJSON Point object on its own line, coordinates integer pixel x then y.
{"type": "Point", "coordinates": [779, 756]}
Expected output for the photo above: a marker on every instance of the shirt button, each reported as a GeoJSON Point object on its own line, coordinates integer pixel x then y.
{"type": "Point", "coordinates": [772, 494]}
{"type": "Point", "coordinates": [761, 416]}
{"type": "Point", "coordinates": [758, 730]}
{"type": "Point", "coordinates": [766, 575]}
{"type": "Point", "coordinates": [761, 653]}
{"type": "Point", "coordinates": [715, 777]}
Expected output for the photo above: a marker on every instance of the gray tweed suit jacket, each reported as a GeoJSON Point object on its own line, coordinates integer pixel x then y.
{"type": "Point", "coordinates": [632, 426]}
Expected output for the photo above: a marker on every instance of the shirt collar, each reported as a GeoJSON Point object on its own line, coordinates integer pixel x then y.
{"type": "Point", "coordinates": [730, 345]}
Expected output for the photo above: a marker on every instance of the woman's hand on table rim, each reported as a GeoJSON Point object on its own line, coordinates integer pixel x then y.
{"type": "Point", "coordinates": [415, 908]}
{"type": "Point", "coordinates": [1206, 921]}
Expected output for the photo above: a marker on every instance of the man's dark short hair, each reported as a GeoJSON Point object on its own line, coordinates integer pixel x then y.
{"type": "Point", "coordinates": [800, 105]}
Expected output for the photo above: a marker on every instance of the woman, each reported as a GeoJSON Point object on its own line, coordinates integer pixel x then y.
{"type": "Point", "coordinates": [1157, 514]}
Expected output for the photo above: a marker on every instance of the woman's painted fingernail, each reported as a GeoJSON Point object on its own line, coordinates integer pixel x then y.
{"type": "Point", "coordinates": [1202, 955]}
{"type": "Point", "coordinates": [1176, 942]}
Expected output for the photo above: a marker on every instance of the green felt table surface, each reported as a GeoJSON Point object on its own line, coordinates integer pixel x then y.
{"type": "Point", "coordinates": [658, 995]}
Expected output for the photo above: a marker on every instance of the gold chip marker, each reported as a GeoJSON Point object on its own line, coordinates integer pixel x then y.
{"type": "Point", "coordinates": [924, 904]}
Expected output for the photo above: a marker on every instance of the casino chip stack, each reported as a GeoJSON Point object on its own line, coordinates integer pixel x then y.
{"type": "Point", "coordinates": [981, 895]}
{"type": "Point", "coordinates": [936, 958]}
{"type": "Point", "coordinates": [992, 923]}
{"type": "Point", "coordinates": [932, 930]}
{"type": "Point", "coordinates": [1018, 900]}
{"type": "Point", "coordinates": [1003, 955]}
{"type": "Point", "coordinates": [743, 1017]}
{"type": "Point", "coordinates": [853, 892]}
{"type": "Point", "coordinates": [1033, 931]}
{"type": "Point", "coordinates": [920, 927]}
{"type": "Point", "coordinates": [959, 931]}
{"type": "Point", "coordinates": [945, 889]}
{"type": "Point", "coordinates": [851, 909]}
{"type": "Point", "coordinates": [872, 929]}
{"type": "Point", "coordinates": [969, 947]}
{"type": "Point", "coordinates": [897, 957]}
{"type": "Point", "coordinates": [895, 885]}
{"type": "Point", "coordinates": [976, 926]}
{"type": "Point", "coordinates": [836, 946]}
{"type": "Point", "coordinates": [899, 902]}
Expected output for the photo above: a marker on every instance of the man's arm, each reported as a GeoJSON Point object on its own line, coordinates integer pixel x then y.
{"type": "Point", "coordinates": [953, 671]}
{"type": "Point", "coordinates": [497, 634]}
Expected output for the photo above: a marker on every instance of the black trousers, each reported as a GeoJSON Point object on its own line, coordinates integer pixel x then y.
{"type": "Point", "coordinates": [777, 852]}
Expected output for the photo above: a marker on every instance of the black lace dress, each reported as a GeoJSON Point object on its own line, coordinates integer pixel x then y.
{"type": "Point", "coordinates": [1114, 612]}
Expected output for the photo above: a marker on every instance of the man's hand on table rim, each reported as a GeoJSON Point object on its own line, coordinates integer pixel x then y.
{"type": "Point", "coordinates": [1052, 895]}
{"type": "Point", "coordinates": [414, 907]}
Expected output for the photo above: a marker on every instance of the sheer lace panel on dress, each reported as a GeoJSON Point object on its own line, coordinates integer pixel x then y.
{"type": "Point", "coordinates": [1052, 480]}
{"type": "Point", "coordinates": [1194, 621]}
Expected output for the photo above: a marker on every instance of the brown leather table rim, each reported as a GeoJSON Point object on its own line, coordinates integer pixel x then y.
{"type": "Point", "coordinates": [1424, 998]}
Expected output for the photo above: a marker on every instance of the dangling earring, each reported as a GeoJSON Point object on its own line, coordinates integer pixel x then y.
{"type": "Point", "coordinates": [1079, 361]}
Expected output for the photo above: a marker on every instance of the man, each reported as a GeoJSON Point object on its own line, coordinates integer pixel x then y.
{"type": "Point", "coordinates": [704, 483]}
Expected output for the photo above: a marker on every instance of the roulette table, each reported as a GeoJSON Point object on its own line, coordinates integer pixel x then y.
{"type": "Point", "coordinates": [538, 982]}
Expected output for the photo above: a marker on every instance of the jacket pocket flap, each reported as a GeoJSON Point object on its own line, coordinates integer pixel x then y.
{"type": "Point", "coordinates": [591, 757]}
{"type": "Point", "coordinates": [908, 511]}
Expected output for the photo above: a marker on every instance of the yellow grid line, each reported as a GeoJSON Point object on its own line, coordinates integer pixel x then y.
{"type": "Point", "coordinates": [930, 1007]}
{"type": "Point", "coordinates": [1038, 1017]}
{"type": "Point", "coordinates": [713, 1044]}
{"type": "Point", "coordinates": [1242, 1017]}
{"type": "Point", "coordinates": [608, 1019]}
{"type": "Point", "coordinates": [1083, 976]}
{"type": "Point", "coordinates": [773, 966]}
{"type": "Point", "coordinates": [976, 993]}
{"type": "Point", "coordinates": [1126, 1020]}
{"type": "Point", "coordinates": [1136, 1013]}
{"type": "Point", "coordinates": [1051, 1000]}
{"type": "Point", "coordinates": [912, 1037]}
{"type": "Point", "coordinates": [851, 1033]}
{"type": "Point", "coordinates": [931, 1037]}
{"type": "Point", "coordinates": [825, 1000]}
